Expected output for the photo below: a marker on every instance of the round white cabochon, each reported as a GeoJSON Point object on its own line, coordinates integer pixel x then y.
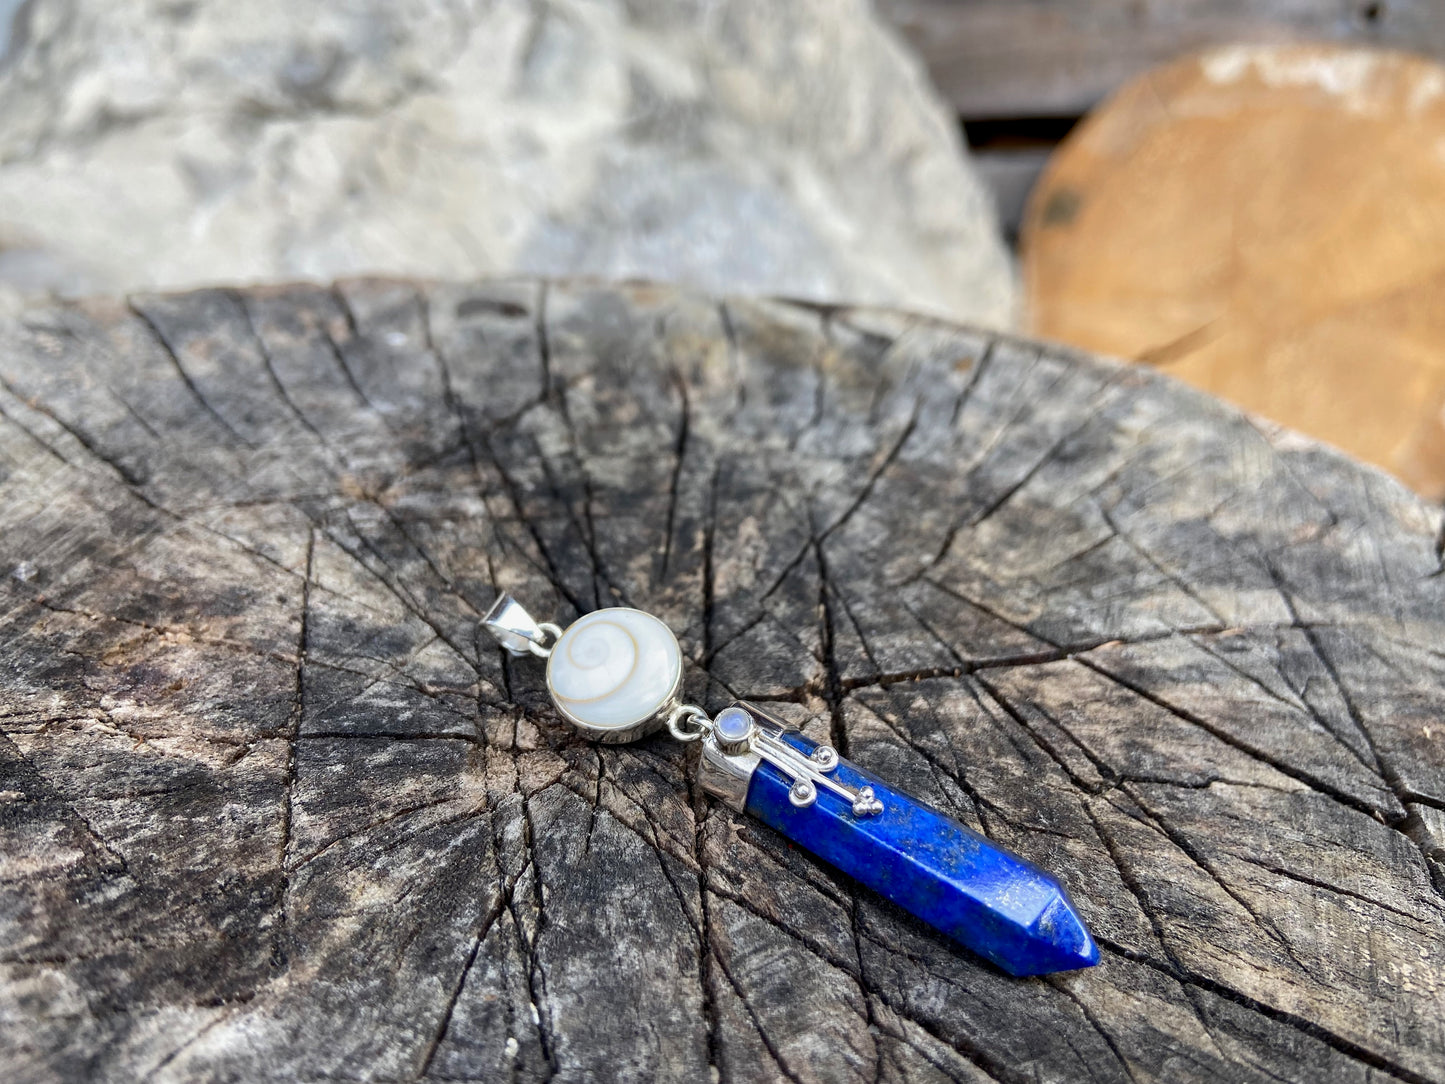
{"type": "Point", "coordinates": [614, 668]}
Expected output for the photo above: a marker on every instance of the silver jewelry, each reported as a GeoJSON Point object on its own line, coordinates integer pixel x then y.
{"type": "Point", "coordinates": [616, 675]}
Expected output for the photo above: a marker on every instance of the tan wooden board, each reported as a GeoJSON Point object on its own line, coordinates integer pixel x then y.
{"type": "Point", "coordinates": [1030, 58]}
{"type": "Point", "coordinates": [1267, 223]}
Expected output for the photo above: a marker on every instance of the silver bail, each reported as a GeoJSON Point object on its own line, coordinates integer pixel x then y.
{"type": "Point", "coordinates": [513, 626]}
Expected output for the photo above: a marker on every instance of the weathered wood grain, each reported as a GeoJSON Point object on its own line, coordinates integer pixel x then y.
{"type": "Point", "coordinates": [273, 810]}
{"type": "Point", "coordinates": [1006, 58]}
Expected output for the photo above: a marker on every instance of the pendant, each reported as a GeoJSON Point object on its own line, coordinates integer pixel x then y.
{"type": "Point", "coordinates": [616, 675]}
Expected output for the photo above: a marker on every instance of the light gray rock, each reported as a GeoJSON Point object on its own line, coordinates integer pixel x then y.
{"type": "Point", "coordinates": [741, 147]}
{"type": "Point", "coordinates": [8, 8]}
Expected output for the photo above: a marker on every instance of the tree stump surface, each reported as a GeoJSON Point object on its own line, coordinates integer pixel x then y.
{"type": "Point", "coordinates": [273, 808]}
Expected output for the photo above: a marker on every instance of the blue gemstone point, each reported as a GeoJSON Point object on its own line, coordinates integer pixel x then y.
{"type": "Point", "coordinates": [987, 898]}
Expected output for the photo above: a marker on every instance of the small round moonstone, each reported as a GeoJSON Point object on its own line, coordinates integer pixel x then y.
{"type": "Point", "coordinates": [732, 725]}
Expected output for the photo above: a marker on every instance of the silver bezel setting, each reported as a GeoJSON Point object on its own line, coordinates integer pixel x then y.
{"type": "Point", "coordinates": [726, 775]}
{"type": "Point", "coordinates": [728, 767]}
{"type": "Point", "coordinates": [634, 731]}
{"type": "Point", "coordinates": [640, 729]}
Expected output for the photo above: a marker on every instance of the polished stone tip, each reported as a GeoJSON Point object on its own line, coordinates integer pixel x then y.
{"type": "Point", "coordinates": [963, 884]}
{"type": "Point", "coordinates": [1058, 941]}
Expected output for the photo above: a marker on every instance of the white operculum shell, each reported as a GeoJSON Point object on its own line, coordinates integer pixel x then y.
{"type": "Point", "coordinates": [614, 668]}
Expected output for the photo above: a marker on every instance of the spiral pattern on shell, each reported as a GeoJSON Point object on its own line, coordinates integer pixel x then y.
{"type": "Point", "coordinates": [614, 668]}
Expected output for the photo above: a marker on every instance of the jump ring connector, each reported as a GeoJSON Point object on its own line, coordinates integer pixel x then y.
{"type": "Point", "coordinates": [542, 650]}
{"type": "Point", "coordinates": [698, 717]}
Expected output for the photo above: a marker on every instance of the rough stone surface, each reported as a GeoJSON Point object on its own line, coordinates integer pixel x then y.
{"type": "Point", "coordinates": [746, 146]}
{"type": "Point", "coordinates": [273, 809]}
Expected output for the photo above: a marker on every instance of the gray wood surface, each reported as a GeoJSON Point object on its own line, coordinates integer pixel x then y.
{"type": "Point", "coordinates": [1031, 58]}
{"type": "Point", "coordinates": [273, 810]}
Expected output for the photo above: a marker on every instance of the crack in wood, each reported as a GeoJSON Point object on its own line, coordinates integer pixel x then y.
{"type": "Point", "coordinates": [280, 957]}
{"type": "Point", "coordinates": [518, 469]}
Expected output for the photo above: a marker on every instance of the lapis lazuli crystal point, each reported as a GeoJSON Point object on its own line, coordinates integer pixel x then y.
{"type": "Point", "coordinates": [987, 898]}
{"type": "Point", "coordinates": [1061, 928]}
